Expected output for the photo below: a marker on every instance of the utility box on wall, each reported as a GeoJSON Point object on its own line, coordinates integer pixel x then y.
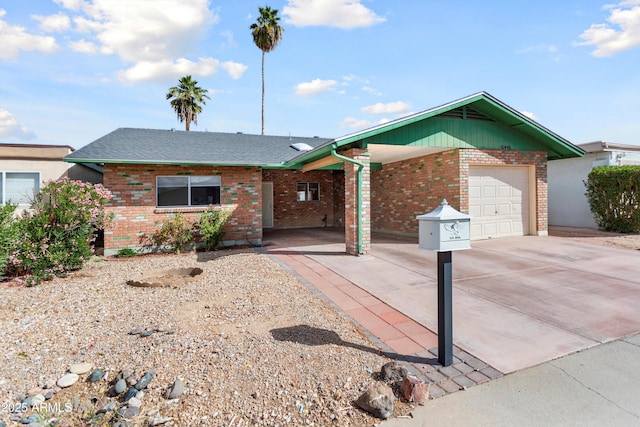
{"type": "Point", "coordinates": [444, 229]}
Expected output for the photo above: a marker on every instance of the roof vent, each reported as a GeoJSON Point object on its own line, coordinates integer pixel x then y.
{"type": "Point", "coordinates": [238, 133]}
{"type": "Point", "coordinates": [301, 146]}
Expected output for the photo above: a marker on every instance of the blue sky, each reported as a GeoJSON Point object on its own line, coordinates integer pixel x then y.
{"type": "Point", "coordinates": [72, 71]}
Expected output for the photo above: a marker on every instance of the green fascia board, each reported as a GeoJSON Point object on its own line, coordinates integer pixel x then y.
{"type": "Point", "coordinates": [535, 137]}
{"type": "Point", "coordinates": [177, 163]}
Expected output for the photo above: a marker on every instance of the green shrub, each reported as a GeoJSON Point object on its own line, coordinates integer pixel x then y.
{"type": "Point", "coordinates": [126, 253]}
{"type": "Point", "coordinates": [57, 233]}
{"type": "Point", "coordinates": [176, 232]}
{"type": "Point", "coordinates": [614, 197]}
{"type": "Point", "coordinates": [8, 234]}
{"type": "Point", "coordinates": [210, 227]}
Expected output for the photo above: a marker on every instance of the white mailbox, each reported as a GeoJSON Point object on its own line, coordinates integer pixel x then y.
{"type": "Point", "coordinates": [444, 229]}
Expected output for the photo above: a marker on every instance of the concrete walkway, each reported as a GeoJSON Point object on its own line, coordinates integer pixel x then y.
{"type": "Point", "coordinates": [596, 387]}
{"type": "Point", "coordinates": [518, 302]}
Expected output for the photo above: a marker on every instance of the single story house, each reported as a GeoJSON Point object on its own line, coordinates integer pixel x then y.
{"type": "Point", "coordinates": [24, 167]}
{"type": "Point", "coordinates": [568, 204]}
{"type": "Point", "coordinates": [484, 157]}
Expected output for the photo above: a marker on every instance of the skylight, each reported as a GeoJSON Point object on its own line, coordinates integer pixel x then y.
{"type": "Point", "coordinates": [301, 146]}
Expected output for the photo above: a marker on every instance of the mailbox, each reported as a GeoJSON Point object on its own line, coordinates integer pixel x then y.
{"type": "Point", "coordinates": [444, 229]}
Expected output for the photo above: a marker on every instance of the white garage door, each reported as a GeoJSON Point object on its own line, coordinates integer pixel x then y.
{"type": "Point", "coordinates": [498, 201]}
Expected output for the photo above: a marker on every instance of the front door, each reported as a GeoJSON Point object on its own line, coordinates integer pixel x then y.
{"type": "Point", "coordinates": [267, 204]}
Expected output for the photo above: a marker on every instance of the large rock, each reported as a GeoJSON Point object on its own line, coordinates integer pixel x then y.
{"type": "Point", "coordinates": [415, 390]}
{"type": "Point", "coordinates": [378, 401]}
{"type": "Point", "coordinates": [392, 372]}
{"type": "Point", "coordinates": [175, 390]}
{"type": "Point", "coordinates": [67, 380]}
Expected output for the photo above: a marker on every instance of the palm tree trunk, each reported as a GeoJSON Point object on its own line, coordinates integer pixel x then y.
{"type": "Point", "coordinates": [263, 92]}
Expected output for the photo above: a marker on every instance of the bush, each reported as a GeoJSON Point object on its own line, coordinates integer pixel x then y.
{"type": "Point", "coordinates": [176, 232]}
{"type": "Point", "coordinates": [126, 253]}
{"type": "Point", "coordinates": [57, 234]}
{"type": "Point", "coordinates": [210, 227]}
{"type": "Point", "coordinates": [614, 199]}
{"type": "Point", "coordinates": [8, 234]}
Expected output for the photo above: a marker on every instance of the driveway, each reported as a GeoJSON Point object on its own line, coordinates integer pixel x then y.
{"type": "Point", "coordinates": [518, 301]}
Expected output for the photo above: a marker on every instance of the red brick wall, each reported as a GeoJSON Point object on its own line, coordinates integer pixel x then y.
{"type": "Point", "coordinates": [405, 189]}
{"type": "Point", "coordinates": [351, 202]}
{"type": "Point", "coordinates": [288, 212]}
{"type": "Point", "coordinates": [134, 202]}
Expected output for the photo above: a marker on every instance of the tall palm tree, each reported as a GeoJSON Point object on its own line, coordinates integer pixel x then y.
{"type": "Point", "coordinates": [186, 99]}
{"type": "Point", "coordinates": [267, 33]}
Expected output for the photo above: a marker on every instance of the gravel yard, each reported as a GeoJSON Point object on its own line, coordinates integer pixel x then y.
{"type": "Point", "coordinates": [252, 345]}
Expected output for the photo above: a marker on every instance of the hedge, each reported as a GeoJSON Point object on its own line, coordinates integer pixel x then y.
{"type": "Point", "coordinates": [613, 197]}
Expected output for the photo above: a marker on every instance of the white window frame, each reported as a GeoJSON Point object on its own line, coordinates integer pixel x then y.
{"type": "Point", "coordinates": [306, 195]}
{"type": "Point", "coordinates": [3, 185]}
{"type": "Point", "coordinates": [189, 186]}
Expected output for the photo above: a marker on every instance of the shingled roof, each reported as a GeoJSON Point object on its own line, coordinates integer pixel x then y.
{"type": "Point", "coordinates": [153, 146]}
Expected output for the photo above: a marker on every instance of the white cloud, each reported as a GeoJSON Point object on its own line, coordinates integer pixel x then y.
{"type": "Point", "coordinates": [343, 14]}
{"type": "Point", "coordinates": [10, 127]}
{"type": "Point", "coordinates": [83, 46]}
{"type": "Point", "coordinates": [164, 70]}
{"type": "Point", "coordinates": [353, 123]}
{"type": "Point", "coordinates": [397, 107]}
{"type": "Point", "coordinates": [606, 38]}
{"type": "Point", "coordinates": [372, 91]}
{"type": "Point", "coordinates": [529, 115]}
{"type": "Point", "coordinates": [16, 39]}
{"type": "Point", "coordinates": [314, 87]}
{"type": "Point", "coordinates": [53, 23]}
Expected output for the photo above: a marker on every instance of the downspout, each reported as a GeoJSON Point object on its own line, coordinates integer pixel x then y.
{"type": "Point", "coordinates": [359, 215]}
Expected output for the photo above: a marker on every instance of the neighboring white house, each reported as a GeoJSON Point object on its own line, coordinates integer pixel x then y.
{"type": "Point", "coordinates": [568, 205]}
{"type": "Point", "coordinates": [24, 167]}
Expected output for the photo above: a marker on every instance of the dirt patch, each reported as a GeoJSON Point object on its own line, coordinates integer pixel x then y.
{"type": "Point", "coordinates": [598, 237]}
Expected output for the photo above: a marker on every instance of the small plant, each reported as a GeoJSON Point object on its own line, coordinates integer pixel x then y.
{"type": "Point", "coordinates": [126, 253]}
{"type": "Point", "coordinates": [210, 227]}
{"type": "Point", "coordinates": [175, 232]}
{"type": "Point", "coordinates": [8, 234]}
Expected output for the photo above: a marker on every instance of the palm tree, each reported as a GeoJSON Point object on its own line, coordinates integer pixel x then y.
{"type": "Point", "coordinates": [186, 99]}
{"type": "Point", "coordinates": [267, 33]}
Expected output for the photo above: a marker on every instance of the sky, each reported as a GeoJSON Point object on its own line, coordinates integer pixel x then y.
{"type": "Point", "coordinates": [72, 71]}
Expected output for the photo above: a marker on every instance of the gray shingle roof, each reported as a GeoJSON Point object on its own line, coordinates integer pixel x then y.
{"type": "Point", "coordinates": [153, 146]}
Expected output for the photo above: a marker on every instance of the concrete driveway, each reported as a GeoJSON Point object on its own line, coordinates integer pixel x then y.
{"type": "Point", "coordinates": [517, 301]}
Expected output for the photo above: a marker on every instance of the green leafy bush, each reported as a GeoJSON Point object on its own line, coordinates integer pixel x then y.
{"type": "Point", "coordinates": [176, 232]}
{"type": "Point", "coordinates": [56, 235]}
{"type": "Point", "coordinates": [126, 253]}
{"type": "Point", "coordinates": [614, 197]}
{"type": "Point", "coordinates": [8, 234]}
{"type": "Point", "coordinates": [210, 227]}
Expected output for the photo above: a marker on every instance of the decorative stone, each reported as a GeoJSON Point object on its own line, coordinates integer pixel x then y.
{"type": "Point", "coordinates": [107, 408]}
{"type": "Point", "coordinates": [80, 368]}
{"type": "Point", "coordinates": [48, 395]}
{"type": "Point", "coordinates": [129, 394]}
{"type": "Point", "coordinates": [377, 400]}
{"type": "Point", "coordinates": [157, 421]}
{"type": "Point", "coordinates": [67, 380]}
{"type": "Point", "coordinates": [129, 412]}
{"type": "Point", "coordinates": [393, 372]}
{"type": "Point", "coordinates": [96, 376]}
{"type": "Point", "coordinates": [415, 390]}
{"type": "Point", "coordinates": [134, 402]}
{"type": "Point", "coordinates": [136, 331]}
{"type": "Point", "coordinates": [120, 386]}
{"type": "Point", "coordinates": [37, 399]}
{"type": "Point", "coordinates": [145, 380]}
{"type": "Point", "coordinates": [146, 334]}
{"type": "Point", "coordinates": [175, 390]}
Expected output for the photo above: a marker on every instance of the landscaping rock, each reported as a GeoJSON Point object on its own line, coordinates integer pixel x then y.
{"type": "Point", "coordinates": [120, 386]}
{"type": "Point", "coordinates": [80, 368]}
{"type": "Point", "coordinates": [68, 380]}
{"type": "Point", "coordinates": [392, 372]}
{"type": "Point", "coordinates": [95, 376]}
{"type": "Point", "coordinates": [377, 400]}
{"type": "Point", "coordinates": [145, 380]}
{"type": "Point", "coordinates": [415, 390]}
{"type": "Point", "coordinates": [175, 390]}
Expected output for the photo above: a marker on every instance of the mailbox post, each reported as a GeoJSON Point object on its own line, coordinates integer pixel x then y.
{"type": "Point", "coordinates": [444, 230]}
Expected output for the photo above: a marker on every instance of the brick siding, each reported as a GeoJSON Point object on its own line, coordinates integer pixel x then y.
{"type": "Point", "coordinates": [137, 217]}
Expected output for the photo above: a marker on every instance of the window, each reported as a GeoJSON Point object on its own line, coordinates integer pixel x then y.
{"type": "Point", "coordinates": [188, 190]}
{"type": "Point", "coordinates": [19, 187]}
{"type": "Point", "coordinates": [308, 191]}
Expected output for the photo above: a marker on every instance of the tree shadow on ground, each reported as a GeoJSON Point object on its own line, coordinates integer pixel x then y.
{"type": "Point", "coordinates": [312, 336]}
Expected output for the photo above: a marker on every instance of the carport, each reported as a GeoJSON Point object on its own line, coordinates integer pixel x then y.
{"type": "Point", "coordinates": [518, 301]}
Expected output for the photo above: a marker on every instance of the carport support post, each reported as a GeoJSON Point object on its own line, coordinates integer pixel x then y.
{"type": "Point", "coordinates": [445, 310]}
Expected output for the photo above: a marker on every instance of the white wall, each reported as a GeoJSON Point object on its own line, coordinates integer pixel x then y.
{"type": "Point", "coordinates": [568, 205]}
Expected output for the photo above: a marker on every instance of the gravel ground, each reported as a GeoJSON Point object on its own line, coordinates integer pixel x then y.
{"type": "Point", "coordinates": [253, 346]}
{"type": "Point", "coordinates": [589, 235]}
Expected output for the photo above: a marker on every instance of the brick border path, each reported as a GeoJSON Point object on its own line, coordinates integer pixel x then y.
{"type": "Point", "coordinates": [398, 336]}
